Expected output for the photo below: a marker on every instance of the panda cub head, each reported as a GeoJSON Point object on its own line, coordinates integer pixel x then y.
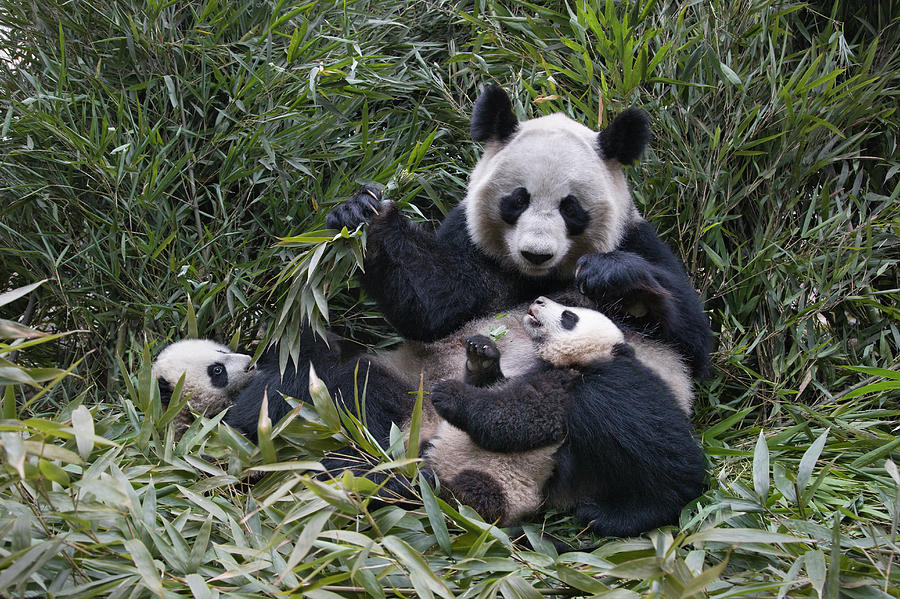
{"type": "Point", "coordinates": [566, 336]}
{"type": "Point", "coordinates": [213, 374]}
{"type": "Point", "coordinates": [548, 190]}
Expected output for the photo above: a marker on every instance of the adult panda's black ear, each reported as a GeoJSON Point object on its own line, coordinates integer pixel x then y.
{"type": "Point", "coordinates": [626, 137]}
{"type": "Point", "coordinates": [492, 116]}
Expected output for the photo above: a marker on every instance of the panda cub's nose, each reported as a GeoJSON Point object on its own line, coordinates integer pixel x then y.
{"type": "Point", "coordinates": [536, 258]}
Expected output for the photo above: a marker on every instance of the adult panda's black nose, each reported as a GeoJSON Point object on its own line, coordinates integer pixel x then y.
{"type": "Point", "coordinates": [536, 258]}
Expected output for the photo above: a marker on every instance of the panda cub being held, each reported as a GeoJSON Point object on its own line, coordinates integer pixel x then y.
{"type": "Point", "coordinates": [213, 376]}
{"type": "Point", "coordinates": [505, 487]}
{"type": "Point", "coordinates": [509, 445]}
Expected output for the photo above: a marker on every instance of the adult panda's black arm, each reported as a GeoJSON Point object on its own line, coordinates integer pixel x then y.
{"type": "Point", "coordinates": [523, 413]}
{"type": "Point", "coordinates": [644, 269]}
{"type": "Point", "coordinates": [428, 283]}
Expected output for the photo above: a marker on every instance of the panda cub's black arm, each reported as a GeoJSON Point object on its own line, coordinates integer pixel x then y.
{"type": "Point", "coordinates": [644, 271]}
{"type": "Point", "coordinates": [523, 413]}
{"type": "Point", "coordinates": [427, 284]}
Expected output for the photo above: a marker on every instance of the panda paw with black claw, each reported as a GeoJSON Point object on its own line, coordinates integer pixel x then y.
{"type": "Point", "coordinates": [614, 274]}
{"type": "Point", "coordinates": [447, 398]}
{"type": "Point", "coordinates": [357, 210]}
{"type": "Point", "coordinates": [482, 361]}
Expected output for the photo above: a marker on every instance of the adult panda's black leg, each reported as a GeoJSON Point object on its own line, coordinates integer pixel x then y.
{"type": "Point", "coordinates": [482, 362]}
{"type": "Point", "coordinates": [482, 493]}
{"type": "Point", "coordinates": [625, 519]}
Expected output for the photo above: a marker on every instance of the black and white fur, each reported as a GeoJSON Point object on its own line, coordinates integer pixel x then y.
{"type": "Point", "coordinates": [592, 429]}
{"type": "Point", "coordinates": [505, 487]}
{"type": "Point", "coordinates": [213, 376]}
{"type": "Point", "coordinates": [490, 257]}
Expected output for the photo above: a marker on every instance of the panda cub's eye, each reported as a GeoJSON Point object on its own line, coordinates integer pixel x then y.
{"type": "Point", "coordinates": [218, 376]}
{"type": "Point", "coordinates": [513, 205]}
{"type": "Point", "coordinates": [568, 320]}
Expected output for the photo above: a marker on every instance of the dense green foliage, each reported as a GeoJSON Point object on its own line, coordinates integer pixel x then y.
{"type": "Point", "coordinates": [153, 154]}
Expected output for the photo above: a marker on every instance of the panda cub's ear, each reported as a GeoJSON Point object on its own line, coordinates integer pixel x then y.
{"type": "Point", "coordinates": [626, 137]}
{"type": "Point", "coordinates": [492, 116]}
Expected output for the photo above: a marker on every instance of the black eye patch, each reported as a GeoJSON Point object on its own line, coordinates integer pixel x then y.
{"type": "Point", "coordinates": [513, 205]}
{"type": "Point", "coordinates": [568, 320]}
{"type": "Point", "coordinates": [218, 375]}
{"type": "Point", "coordinates": [575, 217]}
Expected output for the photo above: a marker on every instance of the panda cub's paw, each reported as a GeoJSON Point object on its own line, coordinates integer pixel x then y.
{"type": "Point", "coordinates": [482, 361]}
{"type": "Point", "coordinates": [447, 397]}
{"type": "Point", "coordinates": [355, 211]}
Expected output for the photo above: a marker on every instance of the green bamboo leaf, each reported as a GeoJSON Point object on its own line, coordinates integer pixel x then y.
{"type": "Point", "coordinates": [83, 425]}
{"type": "Point", "coordinates": [730, 75]}
{"type": "Point", "coordinates": [200, 544]}
{"type": "Point", "coordinates": [784, 484]}
{"type": "Point", "coordinates": [306, 539]}
{"type": "Point", "coordinates": [29, 560]}
{"type": "Point", "coordinates": [699, 583]}
{"type": "Point", "coordinates": [761, 468]}
{"type": "Point", "coordinates": [199, 588]}
{"type": "Point", "coordinates": [207, 505]}
{"type": "Point", "coordinates": [53, 472]}
{"type": "Point", "coordinates": [191, 320]}
{"type": "Point", "coordinates": [737, 536]}
{"type": "Point", "coordinates": [13, 330]}
{"type": "Point", "coordinates": [264, 431]}
{"type": "Point", "coordinates": [51, 452]}
{"type": "Point", "coordinates": [145, 566]}
{"type": "Point", "coordinates": [322, 401]}
{"type": "Point", "coordinates": [435, 517]}
{"type": "Point", "coordinates": [11, 296]}
{"type": "Point", "coordinates": [421, 574]}
{"type": "Point", "coordinates": [637, 569]}
{"type": "Point", "coordinates": [876, 454]}
{"type": "Point", "coordinates": [516, 586]}
{"type": "Point", "coordinates": [815, 570]}
{"type": "Point", "coordinates": [809, 459]}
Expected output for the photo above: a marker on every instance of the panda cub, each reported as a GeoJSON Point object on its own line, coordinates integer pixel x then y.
{"type": "Point", "coordinates": [595, 428]}
{"type": "Point", "coordinates": [505, 487]}
{"type": "Point", "coordinates": [213, 375]}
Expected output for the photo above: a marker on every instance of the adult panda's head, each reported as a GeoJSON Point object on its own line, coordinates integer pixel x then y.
{"type": "Point", "coordinates": [549, 190]}
{"type": "Point", "coordinates": [567, 336]}
{"type": "Point", "coordinates": [213, 374]}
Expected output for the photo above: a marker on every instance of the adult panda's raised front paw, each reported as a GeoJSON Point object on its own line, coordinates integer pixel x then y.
{"type": "Point", "coordinates": [447, 398]}
{"type": "Point", "coordinates": [624, 282]}
{"type": "Point", "coordinates": [613, 274]}
{"type": "Point", "coordinates": [355, 211]}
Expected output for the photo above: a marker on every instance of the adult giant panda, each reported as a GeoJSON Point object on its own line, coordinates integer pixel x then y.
{"type": "Point", "coordinates": [547, 212]}
{"type": "Point", "coordinates": [509, 444]}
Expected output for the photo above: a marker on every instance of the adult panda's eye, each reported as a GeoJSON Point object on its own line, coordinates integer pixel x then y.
{"type": "Point", "coordinates": [218, 369]}
{"type": "Point", "coordinates": [513, 205]}
{"type": "Point", "coordinates": [575, 217]}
